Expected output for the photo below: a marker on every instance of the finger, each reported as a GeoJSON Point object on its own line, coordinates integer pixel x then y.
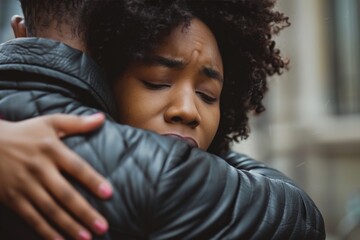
{"type": "Point", "coordinates": [34, 219]}
{"type": "Point", "coordinates": [70, 124]}
{"type": "Point", "coordinates": [44, 202]}
{"type": "Point", "coordinates": [75, 203]}
{"type": "Point", "coordinates": [72, 164]}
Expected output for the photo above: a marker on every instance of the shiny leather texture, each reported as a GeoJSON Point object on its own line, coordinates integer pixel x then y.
{"type": "Point", "coordinates": [163, 188]}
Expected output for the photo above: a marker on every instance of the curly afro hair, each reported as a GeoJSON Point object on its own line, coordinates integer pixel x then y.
{"type": "Point", "coordinates": [125, 30]}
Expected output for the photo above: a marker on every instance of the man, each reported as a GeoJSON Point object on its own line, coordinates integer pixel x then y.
{"type": "Point", "coordinates": [162, 188]}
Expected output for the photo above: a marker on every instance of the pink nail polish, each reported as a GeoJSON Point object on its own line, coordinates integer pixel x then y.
{"type": "Point", "coordinates": [105, 189]}
{"type": "Point", "coordinates": [58, 238]}
{"type": "Point", "coordinates": [94, 117]}
{"type": "Point", "coordinates": [100, 226]}
{"type": "Point", "coordinates": [97, 115]}
{"type": "Point", "coordinates": [84, 235]}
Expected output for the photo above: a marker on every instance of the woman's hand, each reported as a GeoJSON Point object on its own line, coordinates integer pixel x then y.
{"type": "Point", "coordinates": [31, 158]}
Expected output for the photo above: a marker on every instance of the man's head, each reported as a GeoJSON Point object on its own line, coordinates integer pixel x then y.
{"type": "Point", "coordinates": [55, 19]}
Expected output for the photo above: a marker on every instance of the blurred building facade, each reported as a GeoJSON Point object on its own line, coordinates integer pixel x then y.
{"type": "Point", "coordinates": [8, 8]}
{"type": "Point", "coordinates": [311, 129]}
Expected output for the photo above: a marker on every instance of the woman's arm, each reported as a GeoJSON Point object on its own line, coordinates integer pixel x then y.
{"type": "Point", "coordinates": [31, 158]}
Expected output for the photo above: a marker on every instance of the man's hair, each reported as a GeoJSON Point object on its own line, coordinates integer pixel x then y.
{"type": "Point", "coordinates": [39, 14]}
{"type": "Point", "coordinates": [244, 30]}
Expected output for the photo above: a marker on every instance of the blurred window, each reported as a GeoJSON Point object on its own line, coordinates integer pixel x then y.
{"type": "Point", "coordinates": [345, 29]}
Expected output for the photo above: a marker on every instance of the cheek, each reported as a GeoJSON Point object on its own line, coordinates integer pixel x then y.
{"type": "Point", "coordinates": [139, 109]}
{"type": "Point", "coordinates": [125, 101]}
{"type": "Point", "coordinates": [134, 111]}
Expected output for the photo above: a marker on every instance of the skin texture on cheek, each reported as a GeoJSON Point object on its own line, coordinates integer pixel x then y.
{"type": "Point", "coordinates": [177, 90]}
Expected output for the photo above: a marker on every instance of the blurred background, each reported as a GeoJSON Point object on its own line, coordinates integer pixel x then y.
{"type": "Point", "coordinates": [311, 128]}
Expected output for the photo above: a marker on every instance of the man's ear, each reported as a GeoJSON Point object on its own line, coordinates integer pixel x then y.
{"type": "Point", "coordinates": [18, 26]}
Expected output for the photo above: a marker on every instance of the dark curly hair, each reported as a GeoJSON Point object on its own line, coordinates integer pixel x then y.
{"type": "Point", "coordinates": [125, 30]}
{"type": "Point", "coordinates": [39, 14]}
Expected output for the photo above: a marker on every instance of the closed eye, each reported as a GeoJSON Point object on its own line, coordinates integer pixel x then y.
{"type": "Point", "coordinates": [154, 86]}
{"type": "Point", "coordinates": [207, 98]}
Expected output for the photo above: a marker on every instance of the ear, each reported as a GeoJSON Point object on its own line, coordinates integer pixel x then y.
{"type": "Point", "coordinates": [18, 26]}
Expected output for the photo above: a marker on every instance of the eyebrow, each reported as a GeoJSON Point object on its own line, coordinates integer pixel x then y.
{"type": "Point", "coordinates": [175, 63]}
{"type": "Point", "coordinates": [212, 73]}
{"type": "Point", "coordinates": [163, 61]}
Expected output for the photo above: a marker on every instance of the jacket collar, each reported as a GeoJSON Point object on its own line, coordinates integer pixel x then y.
{"type": "Point", "coordinates": [59, 61]}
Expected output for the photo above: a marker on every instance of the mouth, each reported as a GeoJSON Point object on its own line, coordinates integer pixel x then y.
{"type": "Point", "coordinates": [188, 140]}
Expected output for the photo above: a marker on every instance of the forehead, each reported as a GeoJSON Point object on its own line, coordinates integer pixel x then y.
{"type": "Point", "coordinates": [193, 42]}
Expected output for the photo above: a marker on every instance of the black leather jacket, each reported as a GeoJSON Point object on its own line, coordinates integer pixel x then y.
{"type": "Point", "coordinates": [163, 189]}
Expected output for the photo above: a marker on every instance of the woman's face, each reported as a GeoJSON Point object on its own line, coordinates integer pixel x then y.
{"type": "Point", "coordinates": [176, 90]}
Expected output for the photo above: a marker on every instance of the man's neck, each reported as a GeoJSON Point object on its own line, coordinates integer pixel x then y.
{"type": "Point", "coordinates": [63, 34]}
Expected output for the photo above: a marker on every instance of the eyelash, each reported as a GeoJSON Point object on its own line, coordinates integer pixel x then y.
{"type": "Point", "coordinates": [153, 86]}
{"type": "Point", "coordinates": [205, 97]}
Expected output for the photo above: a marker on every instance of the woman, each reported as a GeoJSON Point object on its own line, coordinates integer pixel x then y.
{"type": "Point", "coordinates": [241, 57]}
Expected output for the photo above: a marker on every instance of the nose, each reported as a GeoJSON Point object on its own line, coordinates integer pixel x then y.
{"type": "Point", "coordinates": [182, 109]}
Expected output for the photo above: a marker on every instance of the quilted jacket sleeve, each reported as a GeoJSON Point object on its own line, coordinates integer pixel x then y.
{"type": "Point", "coordinates": [166, 190]}
{"type": "Point", "coordinates": [163, 189]}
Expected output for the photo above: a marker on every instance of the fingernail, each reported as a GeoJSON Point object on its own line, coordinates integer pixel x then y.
{"type": "Point", "coordinates": [84, 235]}
{"type": "Point", "coordinates": [100, 226]}
{"type": "Point", "coordinates": [58, 238]}
{"type": "Point", "coordinates": [105, 189]}
{"type": "Point", "coordinates": [98, 115]}
{"type": "Point", "coordinates": [94, 117]}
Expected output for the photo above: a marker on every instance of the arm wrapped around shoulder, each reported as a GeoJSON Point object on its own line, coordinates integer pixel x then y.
{"type": "Point", "coordinates": [203, 197]}
{"type": "Point", "coordinates": [164, 189]}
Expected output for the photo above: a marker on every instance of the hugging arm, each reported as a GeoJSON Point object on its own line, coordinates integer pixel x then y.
{"type": "Point", "coordinates": [31, 158]}
{"type": "Point", "coordinates": [251, 201]}
{"type": "Point", "coordinates": [166, 190]}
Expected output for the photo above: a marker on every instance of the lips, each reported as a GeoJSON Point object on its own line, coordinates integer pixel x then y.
{"type": "Point", "coordinates": [188, 140]}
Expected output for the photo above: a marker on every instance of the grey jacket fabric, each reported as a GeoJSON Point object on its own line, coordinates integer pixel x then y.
{"type": "Point", "coordinates": [163, 188]}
